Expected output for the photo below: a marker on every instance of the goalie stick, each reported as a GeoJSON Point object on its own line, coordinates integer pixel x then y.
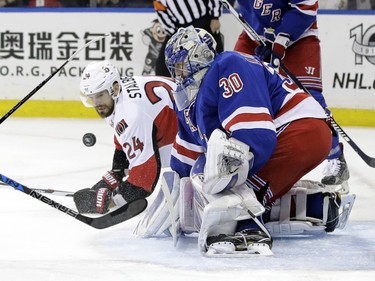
{"type": "Point", "coordinates": [121, 214]}
{"type": "Point", "coordinates": [252, 33]}
{"type": "Point", "coordinates": [37, 88]}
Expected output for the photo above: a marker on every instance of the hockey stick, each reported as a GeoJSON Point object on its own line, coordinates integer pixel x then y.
{"type": "Point", "coordinates": [37, 88]}
{"type": "Point", "coordinates": [54, 192]}
{"type": "Point", "coordinates": [50, 191]}
{"type": "Point", "coordinates": [123, 213]}
{"type": "Point", "coordinates": [252, 33]}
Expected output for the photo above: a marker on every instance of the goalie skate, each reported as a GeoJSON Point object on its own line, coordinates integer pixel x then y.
{"type": "Point", "coordinates": [246, 243]}
{"type": "Point", "coordinates": [337, 174]}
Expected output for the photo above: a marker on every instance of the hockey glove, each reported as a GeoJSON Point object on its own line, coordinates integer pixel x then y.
{"type": "Point", "coordinates": [227, 164]}
{"type": "Point", "coordinates": [274, 50]}
{"type": "Point", "coordinates": [278, 49]}
{"type": "Point", "coordinates": [264, 51]}
{"type": "Point", "coordinates": [97, 198]}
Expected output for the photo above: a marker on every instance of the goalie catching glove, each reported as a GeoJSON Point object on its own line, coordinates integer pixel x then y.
{"type": "Point", "coordinates": [228, 163]}
{"type": "Point", "coordinates": [97, 198]}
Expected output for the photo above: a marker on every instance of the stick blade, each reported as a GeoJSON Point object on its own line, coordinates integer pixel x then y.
{"type": "Point", "coordinates": [122, 214]}
{"type": "Point", "coordinates": [369, 161]}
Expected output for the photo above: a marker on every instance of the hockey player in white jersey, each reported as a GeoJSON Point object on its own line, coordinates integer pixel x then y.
{"type": "Point", "coordinates": [140, 111]}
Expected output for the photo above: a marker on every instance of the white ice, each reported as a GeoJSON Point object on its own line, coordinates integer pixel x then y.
{"type": "Point", "coordinates": [39, 243]}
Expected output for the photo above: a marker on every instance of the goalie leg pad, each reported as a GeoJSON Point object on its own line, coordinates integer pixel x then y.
{"type": "Point", "coordinates": [188, 208]}
{"type": "Point", "coordinates": [188, 215]}
{"type": "Point", "coordinates": [158, 219]}
{"type": "Point", "coordinates": [224, 210]}
{"type": "Point", "coordinates": [308, 208]}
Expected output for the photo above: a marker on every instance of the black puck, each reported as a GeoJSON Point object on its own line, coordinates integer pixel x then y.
{"type": "Point", "coordinates": [89, 139]}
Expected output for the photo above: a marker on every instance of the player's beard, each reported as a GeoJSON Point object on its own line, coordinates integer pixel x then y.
{"type": "Point", "coordinates": [104, 110]}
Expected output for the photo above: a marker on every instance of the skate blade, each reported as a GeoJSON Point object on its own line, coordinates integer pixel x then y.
{"type": "Point", "coordinates": [347, 203]}
{"type": "Point", "coordinates": [218, 250]}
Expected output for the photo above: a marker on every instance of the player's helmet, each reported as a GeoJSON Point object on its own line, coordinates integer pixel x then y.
{"type": "Point", "coordinates": [195, 48]}
{"type": "Point", "coordinates": [98, 76]}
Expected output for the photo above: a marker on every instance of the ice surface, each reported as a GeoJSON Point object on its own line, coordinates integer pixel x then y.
{"type": "Point", "coordinates": [38, 243]}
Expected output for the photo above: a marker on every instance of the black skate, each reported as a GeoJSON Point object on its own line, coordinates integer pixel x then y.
{"type": "Point", "coordinates": [337, 173]}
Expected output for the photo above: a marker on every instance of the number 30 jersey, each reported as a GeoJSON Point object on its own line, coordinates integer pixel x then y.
{"type": "Point", "coordinates": [145, 126]}
{"type": "Point", "coordinates": [248, 100]}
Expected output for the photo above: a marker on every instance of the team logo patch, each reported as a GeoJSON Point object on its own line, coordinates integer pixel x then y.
{"type": "Point", "coordinates": [120, 127]}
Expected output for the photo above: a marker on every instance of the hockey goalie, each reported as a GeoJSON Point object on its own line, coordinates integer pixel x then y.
{"type": "Point", "coordinates": [246, 136]}
{"type": "Point", "coordinates": [219, 205]}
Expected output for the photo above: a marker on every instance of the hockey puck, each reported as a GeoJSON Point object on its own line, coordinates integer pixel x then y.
{"type": "Point", "coordinates": [89, 139]}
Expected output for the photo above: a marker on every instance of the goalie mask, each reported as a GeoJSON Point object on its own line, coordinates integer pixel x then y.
{"type": "Point", "coordinates": [97, 77]}
{"type": "Point", "coordinates": [188, 54]}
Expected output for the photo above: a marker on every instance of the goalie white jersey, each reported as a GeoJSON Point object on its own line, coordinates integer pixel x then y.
{"type": "Point", "coordinates": [145, 126]}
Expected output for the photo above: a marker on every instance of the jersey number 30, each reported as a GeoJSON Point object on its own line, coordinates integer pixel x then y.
{"type": "Point", "coordinates": [232, 84]}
